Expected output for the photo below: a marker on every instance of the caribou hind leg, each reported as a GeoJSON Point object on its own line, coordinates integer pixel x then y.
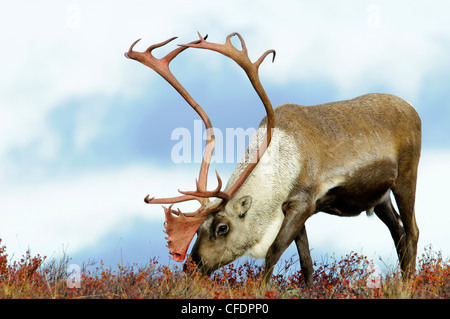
{"type": "Point", "coordinates": [405, 193]}
{"type": "Point", "coordinates": [404, 197]}
{"type": "Point", "coordinates": [388, 215]}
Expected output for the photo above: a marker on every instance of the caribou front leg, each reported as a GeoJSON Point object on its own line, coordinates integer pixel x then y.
{"type": "Point", "coordinates": [296, 213]}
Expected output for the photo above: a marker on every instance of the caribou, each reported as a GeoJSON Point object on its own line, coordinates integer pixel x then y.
{"type": "Point", "coordinates": [341, 158]}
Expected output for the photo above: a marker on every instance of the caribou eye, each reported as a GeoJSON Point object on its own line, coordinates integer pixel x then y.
{"type": "Point", "coordinates": [222, 229]}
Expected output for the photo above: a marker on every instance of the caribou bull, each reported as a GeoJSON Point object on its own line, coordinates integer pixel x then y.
{"type": "Point", "coordinates": [341, 158]}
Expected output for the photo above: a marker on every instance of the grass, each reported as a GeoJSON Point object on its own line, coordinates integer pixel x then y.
{"type": "Point", "coordinates": [349, 277]}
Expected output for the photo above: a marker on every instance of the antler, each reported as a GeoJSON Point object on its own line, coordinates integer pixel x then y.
{"type": "Point", "coordinates": [161, 66]}
{"type": "Point", "coordinates": [251, 69]}
{"type": "Point", "coordinates": [181, 229]}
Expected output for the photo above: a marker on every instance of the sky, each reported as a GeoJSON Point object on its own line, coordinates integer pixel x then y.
{"type": "Point", "coordinates": [86, 134]}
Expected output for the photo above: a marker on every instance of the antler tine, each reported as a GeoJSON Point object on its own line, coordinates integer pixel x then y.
{"type": "Point", "coordinates": [245, 51]}
{"type": "Point", "coordinates": [130, 50]}
{"type": "Point", "coordinates": [132, 54]}
{"type": "Point", "coordinates": [214, 193]}
{"type": "Point", "coordinates": [244, 47]}
{"type": "Point", "coordinates": [263, 56]}
{"type": "Point", "coordinates": [172, 200]}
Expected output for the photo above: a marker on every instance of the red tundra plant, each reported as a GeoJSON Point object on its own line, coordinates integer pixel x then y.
{"type": "Point", "coordinates": [349, 277]}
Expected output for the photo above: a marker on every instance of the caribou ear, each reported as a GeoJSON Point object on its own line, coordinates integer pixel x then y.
{"type": "Point", "coordinates": [243, 205]}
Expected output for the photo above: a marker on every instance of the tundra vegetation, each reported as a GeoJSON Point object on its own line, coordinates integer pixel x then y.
{"type": "Point", "coordinates": [347, 277]}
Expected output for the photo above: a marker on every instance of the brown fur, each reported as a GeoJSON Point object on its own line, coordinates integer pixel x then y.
{"type": "Point", "coordinates": [381, 134]}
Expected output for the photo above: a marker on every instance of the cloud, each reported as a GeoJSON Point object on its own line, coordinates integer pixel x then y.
{"type": "Point", "coordinates": [59, 50]}
{"type": "Point", "coordinates": [80, 209]}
